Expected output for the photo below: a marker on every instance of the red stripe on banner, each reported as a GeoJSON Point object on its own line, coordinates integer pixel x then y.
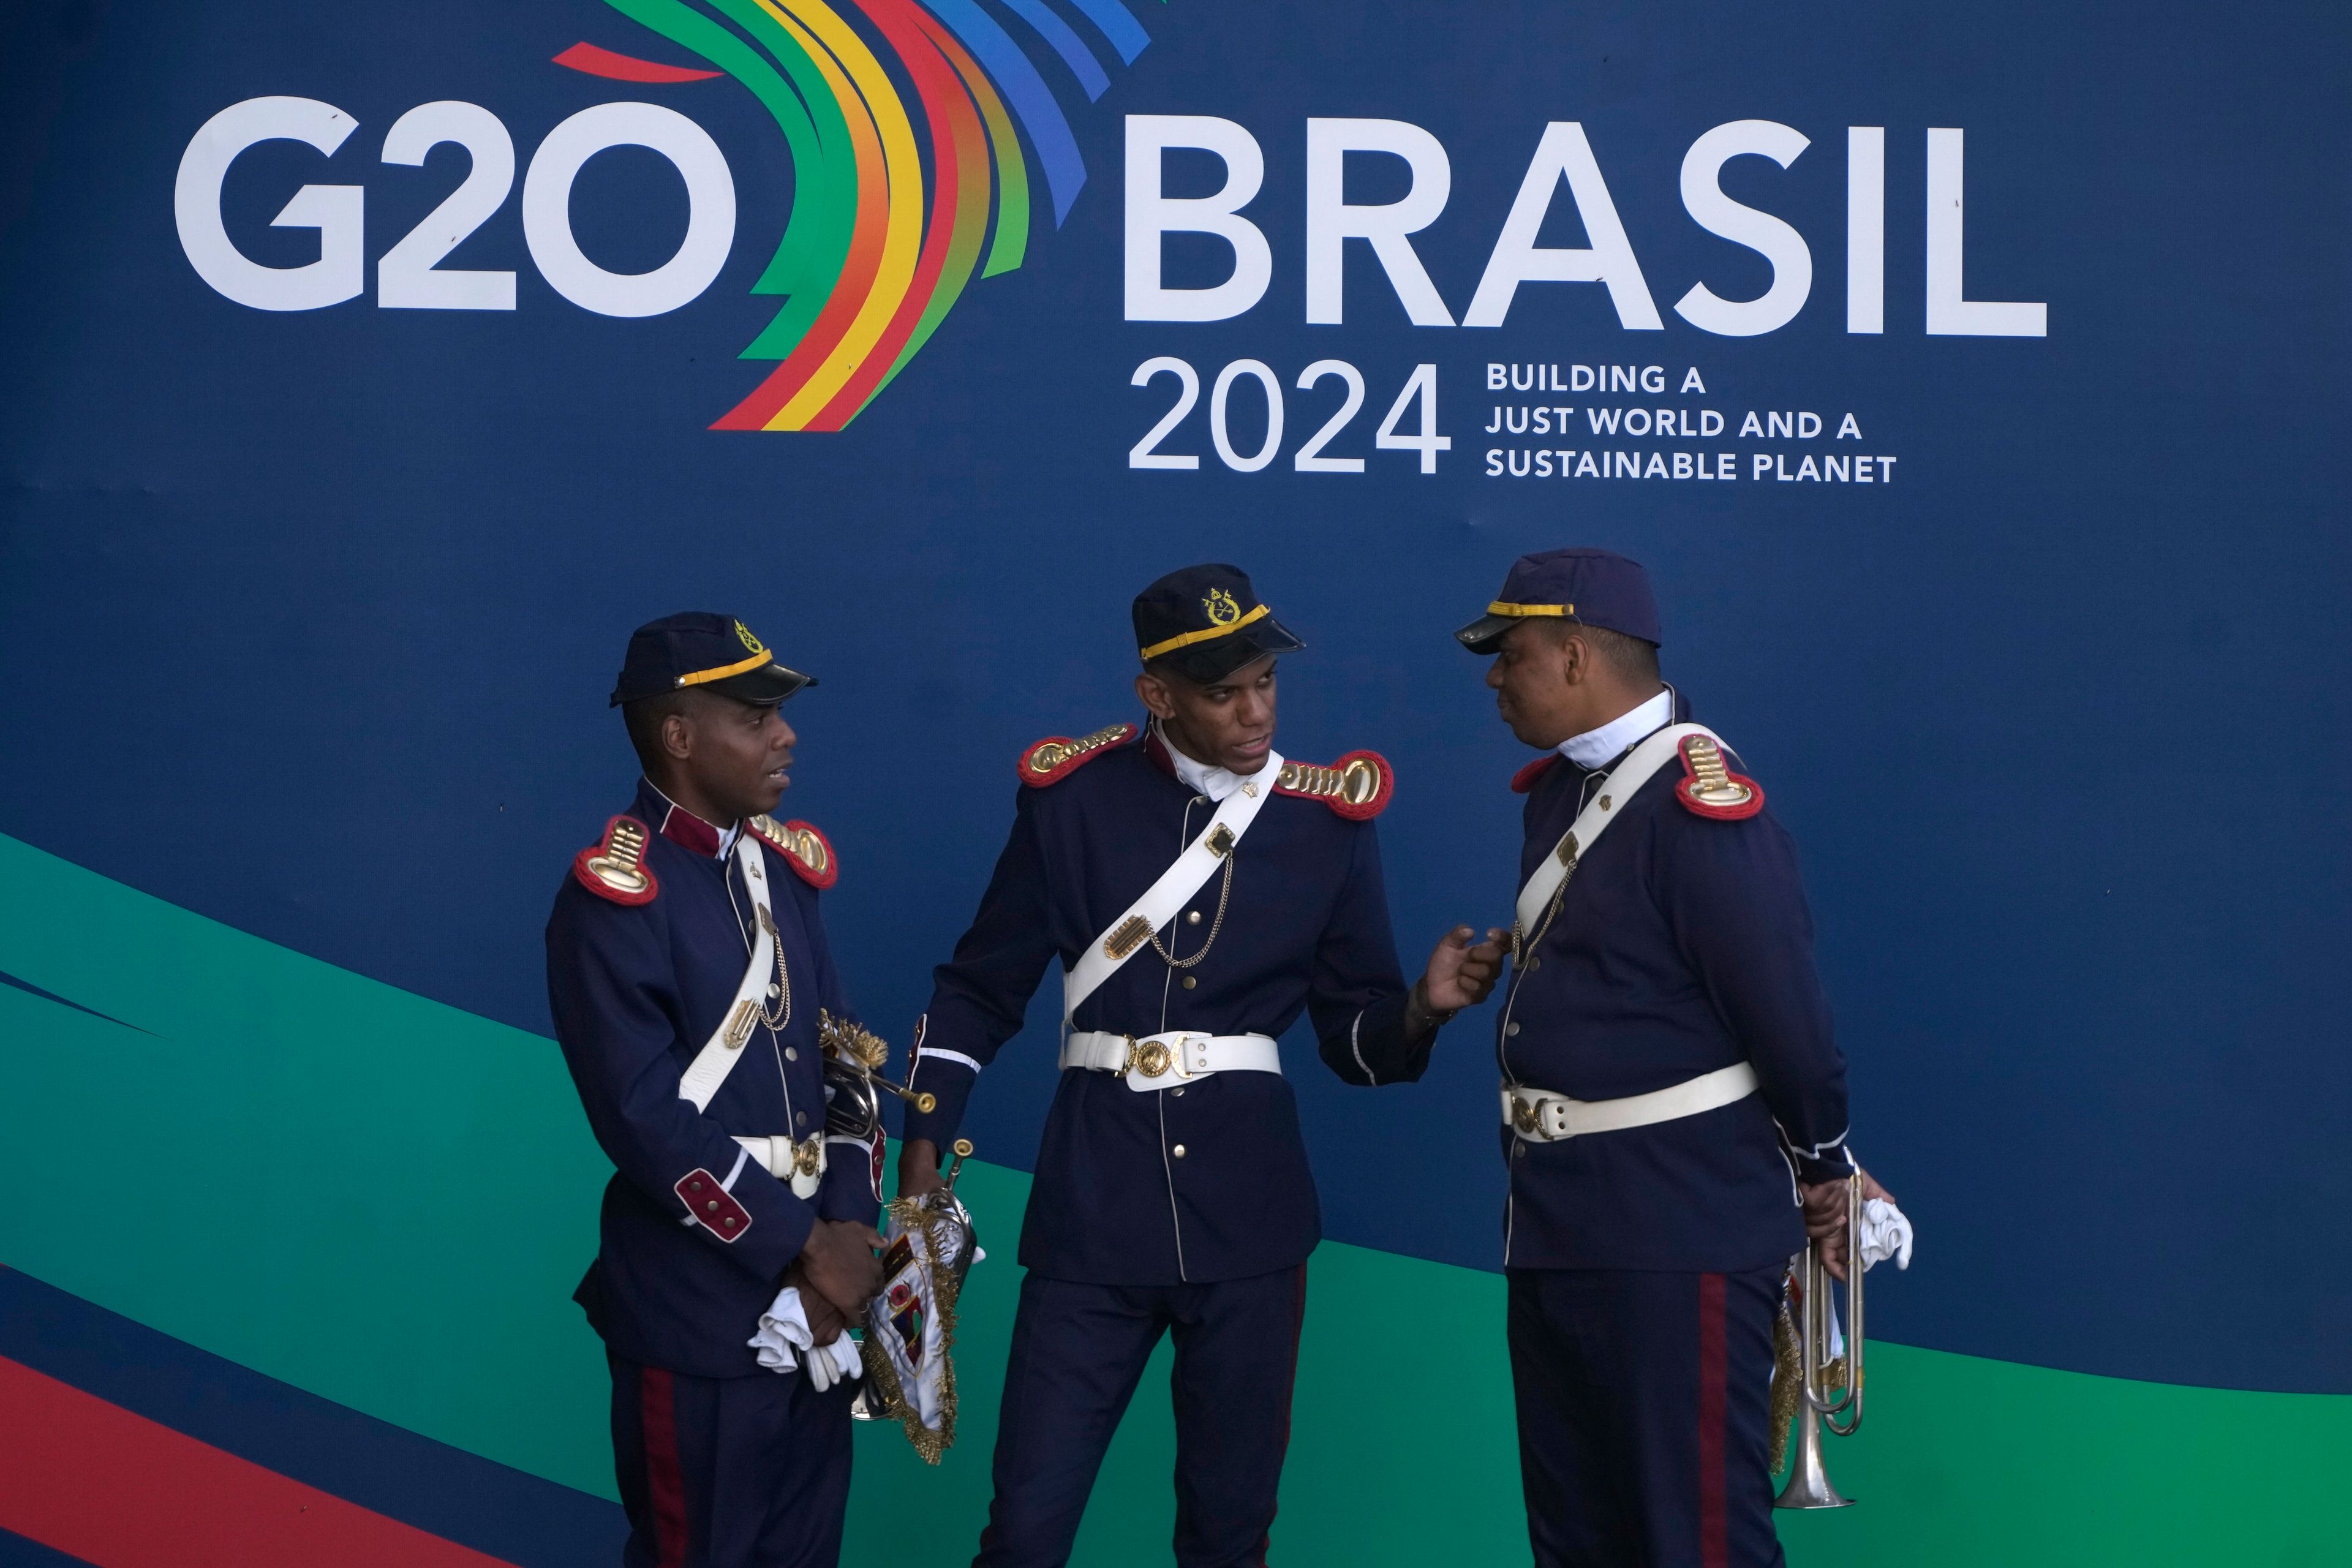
{"type": "Point", "coordinates": [942, 96]}
{"type": "Point", "coordinates": [588, 57]}
{"type": "Point", "coordinates": [97, 1482]}
{"type": "Point", "coordinates": [1713, 1552]}
{"type": "Point", "coordinates": [658, 1406]}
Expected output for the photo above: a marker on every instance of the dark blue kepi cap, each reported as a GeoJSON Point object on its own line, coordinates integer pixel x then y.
{"type": "Point", "coordinates": [1594, 587]}
{"type": "Point", "coordinates": [1207, 621]}
{"type": "Point", "coordinates": [714, 653]}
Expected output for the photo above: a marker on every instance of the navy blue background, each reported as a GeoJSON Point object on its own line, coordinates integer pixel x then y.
{"type": "Point", "coordinates": [2055, 718]}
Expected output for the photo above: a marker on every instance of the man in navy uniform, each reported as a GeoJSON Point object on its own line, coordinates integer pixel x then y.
{"type": "Point", "coordinates": [688, 972]}
{"type": "Point", "coordinates": [1674, 1105]}
{"type": "Point", "coordinates": [1199, 891]}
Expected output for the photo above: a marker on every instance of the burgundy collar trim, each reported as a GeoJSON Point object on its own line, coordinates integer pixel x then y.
{"type": "Point", "coordinates": [1157, 749]}
{"type": "Point", "coordinates": [685, 829]}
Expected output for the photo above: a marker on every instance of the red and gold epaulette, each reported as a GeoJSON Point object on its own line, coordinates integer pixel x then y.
{"type": "Point", "coordinates": [1710, 789]}
{"type": "Point", "coordinates": [1359, 787]}
{"type": "Point", "coordinates": [804, 845]}
{"type": "Point", "coordinates": [1528, 778]}
{"type": "Point", "coordinates": [1056, 757]}
{"type": "Point", "coordinates": [615, 866]}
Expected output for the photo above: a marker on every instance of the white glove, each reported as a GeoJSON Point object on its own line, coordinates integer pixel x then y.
{"type": "Point", "coordinates": [784, 1344]}
{"type": "Point", "coordinates": [783, 1330]}
{"type": "Point", "coordinates": [836, 1362]}
{"type": "Point", "coordinates": [1885, 1233]}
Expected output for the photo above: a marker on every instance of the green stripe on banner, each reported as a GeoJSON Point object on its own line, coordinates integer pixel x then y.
{"type": "Point", "coordinates": [386, 1201]}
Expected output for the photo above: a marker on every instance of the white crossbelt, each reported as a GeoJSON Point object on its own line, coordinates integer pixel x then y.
{"type": "Point", "coordinates": [1160, 903]}
{"type": "Point", "coordinates": [725, 1048]}
{"type": "Point", "coordinates": [1154, 1062]}
{"type": "Point", "coordinates": [1624, 781]}
{"type": "Point", "coordinates": [1543, 1118]}
{"type": "Point", "coordinates": [803, 1164]}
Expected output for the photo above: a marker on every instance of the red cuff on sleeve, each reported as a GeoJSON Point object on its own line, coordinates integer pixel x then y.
{"type": "Point", "coordinates": [712, 1204]}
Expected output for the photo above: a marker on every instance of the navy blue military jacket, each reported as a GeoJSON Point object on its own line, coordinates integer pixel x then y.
{"type": "Point", "coordinates": [1208, 1181]}
{"type": "Point", "coordinates": [637, 989]}
{"type": "Point", "coordinates": [1683, 945]}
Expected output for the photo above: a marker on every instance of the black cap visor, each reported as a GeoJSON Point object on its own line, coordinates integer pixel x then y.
{"type": "Point", "coordinates": [1206, 663]}
{"type": "Point", "coordinates": [1485, 635]}
{"type": "Point", "coordinates": [764, 686]}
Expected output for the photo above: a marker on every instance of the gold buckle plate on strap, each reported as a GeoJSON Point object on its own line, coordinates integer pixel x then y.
{"type": "Point", "coordinates": [1153, 1058]}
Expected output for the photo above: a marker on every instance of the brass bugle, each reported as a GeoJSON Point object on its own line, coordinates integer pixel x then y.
{"type": "Point", "coordinates": [1829, 1388]}
{"type": "Point", "coordinates": [955, 1166]}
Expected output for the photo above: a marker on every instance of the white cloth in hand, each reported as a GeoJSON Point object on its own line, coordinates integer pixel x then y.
{"type": "Point", "coordinates": [784, 1341]}
{"type": "Point", "coordinates": [1885, 1233]}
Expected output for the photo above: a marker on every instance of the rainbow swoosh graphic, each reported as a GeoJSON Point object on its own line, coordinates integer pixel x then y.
{"type": "Point", "coordinates": [868, 274]}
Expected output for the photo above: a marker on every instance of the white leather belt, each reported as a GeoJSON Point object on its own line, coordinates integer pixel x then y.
{"type": "Point", "coordinates": [1543, 1118]}
{"type": "Point", "coordinates": [1154, 1062]}
{"type": "Point", "coordinates": [801, 1163]}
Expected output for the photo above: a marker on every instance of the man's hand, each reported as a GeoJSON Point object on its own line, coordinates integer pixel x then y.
{"type": "Point", "coordinates": [827, 1321]}
{"type": "Point", "coordinates": [1825, 1216]}
{"type": "Point", "coordinates": [1460, 975]}
{"type": "Point", "coordinates": [918, 1168]}
{"type": "Point", "coordinates": [839, 1265]}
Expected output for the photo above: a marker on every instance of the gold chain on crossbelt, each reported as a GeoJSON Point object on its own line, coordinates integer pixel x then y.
{"type": "Point", "coordinates": [769, 1015]}
{"type": "Point", "coordinates": [1224, 893]}
{"type": "Point", "coordinates": [1520, 949]}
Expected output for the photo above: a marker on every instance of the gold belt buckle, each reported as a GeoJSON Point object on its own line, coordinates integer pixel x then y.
{"type": "Point", "coordinates": [1148, 1058]}
{"type": "Point", "coordinates": [806, 1154]}
{"type": "Point", "coordinates": [1176, 1057]}
{"type": "Point", "coordinates": [1523, 1115]}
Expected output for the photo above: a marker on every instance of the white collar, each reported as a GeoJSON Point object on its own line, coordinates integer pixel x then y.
{"type": "Point", "coordinates": [1595, 747]}
{"type": "Point", "coordinates": [1202, 778]}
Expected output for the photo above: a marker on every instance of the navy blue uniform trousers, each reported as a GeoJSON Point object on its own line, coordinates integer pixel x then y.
{"type": "Point", "coordinates": [1642, 1402]}
{"type": "Point", "coordinates": [1079, 1352]}
{"type": "Point", "coordinates": [729, 1472]}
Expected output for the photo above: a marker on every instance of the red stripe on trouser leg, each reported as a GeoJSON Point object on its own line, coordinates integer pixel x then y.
{"type": "Point", "coordinates": [1713, 1552]}
{"type": "Point", "coordinates": [658, 1406]}
{"type": "Point", "coordinates": [102, 1484]}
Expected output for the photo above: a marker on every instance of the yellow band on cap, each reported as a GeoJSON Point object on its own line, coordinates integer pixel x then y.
{"type": "Point", "coordinates": [701, 676]}
{"type": "Point", "coordinates": [1504, 607]}
{"type": "Point", "coordinates": [1188, 638]}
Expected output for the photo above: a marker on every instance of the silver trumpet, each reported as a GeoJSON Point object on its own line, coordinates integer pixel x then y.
{"type": "Point", "coordinates": [958, 1243]}
{"type": "Point", "coordinates": [1830, 1390]}
{"type": "Point", "coordinates": [852, 1097]}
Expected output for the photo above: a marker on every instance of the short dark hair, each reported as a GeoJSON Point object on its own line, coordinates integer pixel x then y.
{"type": "Point", "coordinates": [1165, 669]}
{"type": "Point", "coordinates": [1634, 658]}
{"type": "Point", "coordinates": [643, 719]}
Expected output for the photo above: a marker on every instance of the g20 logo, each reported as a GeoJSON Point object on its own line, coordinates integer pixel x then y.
{"type": "Point", "coordinates": [409, 275]}
{"type": "Point", "coordinates": [918, 130]}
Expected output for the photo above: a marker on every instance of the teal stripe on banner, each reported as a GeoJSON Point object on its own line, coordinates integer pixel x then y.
{"type": "Point", "coordinates": [386, 1201]}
